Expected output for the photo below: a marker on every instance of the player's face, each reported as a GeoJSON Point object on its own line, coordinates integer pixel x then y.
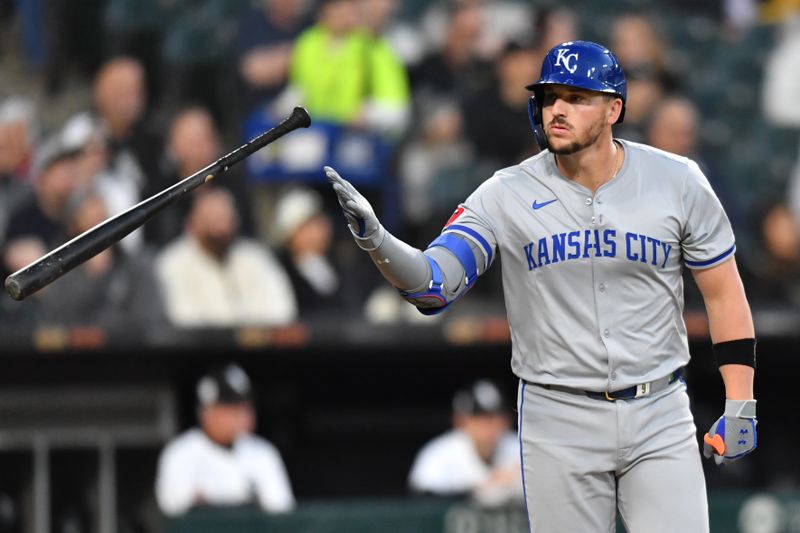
{"type": "Point", "coordinates": [574, 118]}
{"type": "Point", "coordinates": [223, 423]}
{"type": "Point", "coordinates": [485, 430]}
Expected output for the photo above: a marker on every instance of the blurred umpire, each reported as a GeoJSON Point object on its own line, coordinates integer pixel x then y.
{"type": "Point", "coordinates": [222, 463]}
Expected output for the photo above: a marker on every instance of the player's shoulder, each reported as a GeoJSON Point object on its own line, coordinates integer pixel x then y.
{"type": "Point", "coordinates": [177, 250]}
{"type": "Point", "coordinates": [256, 445]}
{"type": "Point", "coordinates": [448, 445]}
{"type": "Point", "coordinates": [649, 156]}
{"type": "Point", "coordinates": [506, 177]}
{"type": "Point", "coordinates": [185, 443]}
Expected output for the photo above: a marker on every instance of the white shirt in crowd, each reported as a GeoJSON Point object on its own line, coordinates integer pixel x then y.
{"type": "Point", "coordinates": [450, 464]}
{"type": "Point", "coordinates": [249, 288]}
{"type": "Point", "coordinates": [193, 470]}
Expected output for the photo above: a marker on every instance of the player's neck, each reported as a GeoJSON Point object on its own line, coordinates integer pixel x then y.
{"type": "Point", "coordinates": [593, 166]}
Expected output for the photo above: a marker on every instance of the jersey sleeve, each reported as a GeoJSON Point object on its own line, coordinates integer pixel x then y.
{"type": "Point", "coordinates": [707, 238]}
{"type": "Point", "coordinates": [474, 220]}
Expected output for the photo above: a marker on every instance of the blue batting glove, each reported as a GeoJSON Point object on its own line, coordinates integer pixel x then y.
{"type": "Point", "coordinates": [733, 435]}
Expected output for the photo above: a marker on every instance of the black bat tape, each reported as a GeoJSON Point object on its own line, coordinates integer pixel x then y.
{"type": "Point", "coordinates": [55, 264]}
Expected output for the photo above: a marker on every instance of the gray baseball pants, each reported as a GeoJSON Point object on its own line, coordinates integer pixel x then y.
{"type": "Point", "coordinates": [582, 458]}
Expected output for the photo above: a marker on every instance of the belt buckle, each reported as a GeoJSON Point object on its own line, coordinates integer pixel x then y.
{"type": "Point", "coordinates": [609, 398]}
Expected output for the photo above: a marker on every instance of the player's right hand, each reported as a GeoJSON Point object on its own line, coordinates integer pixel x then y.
{"type": "Point", "coordinates": [359, 213]}
{"type": "Point", "coordinates": [733, 435]}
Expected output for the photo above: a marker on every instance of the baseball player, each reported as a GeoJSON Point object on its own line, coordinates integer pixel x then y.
{"type": "Point", "coordinates": [478, 456]}
{"type": "Point", "coordinates": [222, 463]}
{"type": "Point", "coordinates": [594, 233]}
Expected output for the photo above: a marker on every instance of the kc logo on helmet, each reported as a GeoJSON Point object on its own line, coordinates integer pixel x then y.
{"type": "Point", "coordinates": [568, 60]}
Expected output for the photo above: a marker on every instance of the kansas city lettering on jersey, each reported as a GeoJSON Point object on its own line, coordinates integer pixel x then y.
{"type": "Point", "coordinates": [583, 244]}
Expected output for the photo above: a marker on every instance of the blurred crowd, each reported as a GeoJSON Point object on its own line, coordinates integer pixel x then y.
{"type": "Point", "coordinates": [166, 88]}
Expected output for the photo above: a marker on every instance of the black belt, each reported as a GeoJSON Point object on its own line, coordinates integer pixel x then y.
{"type": "Point", "coordinates": [636, 391]}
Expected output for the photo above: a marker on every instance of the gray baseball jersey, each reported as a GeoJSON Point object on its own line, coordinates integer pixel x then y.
{"type": "Point", "coordinates": [593, 284]}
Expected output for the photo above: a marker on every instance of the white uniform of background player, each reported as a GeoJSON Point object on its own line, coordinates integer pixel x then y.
{"type": "Point", "coordinates": [222, 463]}
{"type": "Point", "coordinates": [594, 234]}
{"type": "Point", "coordinates": [479, 457]}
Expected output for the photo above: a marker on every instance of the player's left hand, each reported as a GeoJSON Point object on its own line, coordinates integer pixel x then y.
{"type": "Point", "coordinates": [733, 435]}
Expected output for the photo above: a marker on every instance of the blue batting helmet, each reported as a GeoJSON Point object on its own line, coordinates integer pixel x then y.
{"type": "Point", "coordinates": [582, 64]}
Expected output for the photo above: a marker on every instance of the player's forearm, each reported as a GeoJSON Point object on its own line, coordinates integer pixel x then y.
{"type": "Point", "coordinates": [401, 264]}
{"type": "Point", "coordinates": [738, 381]}
{"type": "Point", "coordinates": [730, 319]}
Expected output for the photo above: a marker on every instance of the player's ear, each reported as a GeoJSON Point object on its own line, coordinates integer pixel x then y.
{"type": "Point", "coordinates": [614, 109]}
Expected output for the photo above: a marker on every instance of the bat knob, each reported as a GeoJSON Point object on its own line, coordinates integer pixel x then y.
{"type": "Point", "coordinates": [301, 116]}
{"type": "Point", "coordinates": [13, 288]}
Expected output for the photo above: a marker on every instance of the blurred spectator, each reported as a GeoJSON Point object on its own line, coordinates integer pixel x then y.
{"type": "Point", "coordinates": [117, 184]}
{"type": "Point", "coordinates": [552, 26]}
{"type": "Point", "coordinates": [120, 100]}
{"type": "Point", "coordinates": [478, 457]}
{"type": "Point", "coordinates": [344, 74]}
{"type": "Point", "coordinates": [21, 316]}
{"type": "Point", "coordinates": [457, 68]}
{"type": "Point", "coordinates": [267, 31]}
{"type": "Point", "coordinates": [777, 267]}
{"type": "Point", "coordinates": [197, 53]}
{"type": "Point", "coordinates": [642, 53]}
{"type": "Point", "coordinates": [781, 83]}
{"type": "Point", "coordinates": [638, 45]}
{"type": "Point", "coordinates": [501, 21]}
{"type": "Point", "coordinates": [55, 179]}
{"type": "Point", "coordinates": [404, 37]}
{"type": "Point", "coordinates": [114, 290]}
{"type": "Point", "coordinates": [497, 117]}
{"type": "Point", "coordinates": [18, 133]}
{"type": "Point", "coordinates": [136, 28]}
{"type": "Point", "coordinates": [435, 168]}
{"type": "Point", "coordinates": [438, 165]}
{"type": "Point", "coordinates": [212, 276]}
{"type": "Point", "coordinates": [305, 233]}
{"type": "Point", "coordinates": [21, 252]}
{"type": "Point", "coordinates": [674, 126]}
{"type": "Point", "coordinates": [780, 95]}
{"type": "Point", "coordinates": [223, 463]}
{"type": "Point", "coordinates": [193, 143]}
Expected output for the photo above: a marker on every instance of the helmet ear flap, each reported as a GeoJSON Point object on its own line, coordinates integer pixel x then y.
{"type": "Point", "coordinates": [535, 116]}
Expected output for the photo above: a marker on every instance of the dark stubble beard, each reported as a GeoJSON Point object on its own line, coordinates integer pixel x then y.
{"type": "Point", "coordinates": [588, 139]}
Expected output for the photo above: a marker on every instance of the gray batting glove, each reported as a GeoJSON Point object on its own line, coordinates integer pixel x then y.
{"type": "Point", "coordinates": [733, 435]}
{"type": "Point", "coordinates": [361, 219]}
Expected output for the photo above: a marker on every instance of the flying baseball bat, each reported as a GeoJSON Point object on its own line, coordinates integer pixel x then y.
{"type": "Point", "coordinates": [55, 264]}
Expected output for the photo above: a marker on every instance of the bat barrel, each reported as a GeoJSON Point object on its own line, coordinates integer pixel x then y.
{"type": "Point", "coordinates": [55, 264]}
{"type": "Point", "coordinates": [88, 244]}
